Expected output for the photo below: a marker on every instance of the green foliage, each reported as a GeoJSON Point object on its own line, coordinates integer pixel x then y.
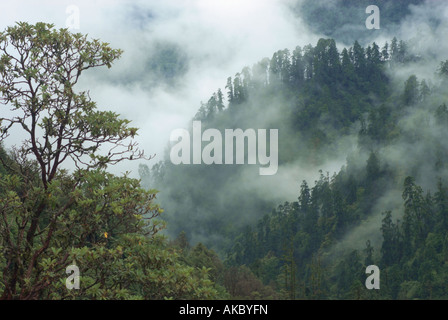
{"type": "Point", "coordinates": [136, 268]}
{"type": "Point", "coordinates": [316, 95]}
{"type": "Point", "coordinates": [50, 218]}
{"type": "Point", "coordinates": [300, 248]}
{"type": "Point", "coordinates": [108, 225]}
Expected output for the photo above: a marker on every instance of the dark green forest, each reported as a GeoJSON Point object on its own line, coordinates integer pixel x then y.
{"type": "Point", "coordinates": [362, 178]}
{"type": "Point", "coordinates": [313, 247]}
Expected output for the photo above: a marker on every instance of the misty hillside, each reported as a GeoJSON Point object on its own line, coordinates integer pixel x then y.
{"type": "Point", "coordinates": [321, 100]}
{"type": "Point", "coordinates": [362, 177]}
{"type": "Point", "coordinates": [379, 129]}
{"type": "Point", "coordinates": [343, 20]}
{"type": "Point", "coordinates": [236, 150]}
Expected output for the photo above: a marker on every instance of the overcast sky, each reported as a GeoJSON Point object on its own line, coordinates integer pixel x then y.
{"type": "Point", "coordinates": [218, 37]}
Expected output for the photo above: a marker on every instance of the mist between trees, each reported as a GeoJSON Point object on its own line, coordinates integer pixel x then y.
{"type": "Point", "coordinates": [361, 176]}
{"type": "Point", "coordinates": [234, 144]}
{"type": "Point", "coordinates": [359, 111]}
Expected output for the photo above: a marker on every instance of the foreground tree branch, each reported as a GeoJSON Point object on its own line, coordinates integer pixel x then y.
{"type": "Point", "coordinates": [45, 212]}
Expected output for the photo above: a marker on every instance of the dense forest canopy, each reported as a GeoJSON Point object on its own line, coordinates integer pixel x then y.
{"type": "Point", "coordinates": [361, 180]}
{"type": "Point", "coordinates": [371, 209]}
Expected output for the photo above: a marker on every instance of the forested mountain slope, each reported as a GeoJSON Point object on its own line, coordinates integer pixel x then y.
{"type": "Point", "coordinates": [353, 104]}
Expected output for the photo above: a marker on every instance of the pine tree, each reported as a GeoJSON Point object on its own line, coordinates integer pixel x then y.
{"type": "Point", "coordinates": [297, 67]}
{"type": "Point", "coordinates": [372, 168]}
{"type": "Point", "coordinates": [411, 91]}
{"type": "Point", "coordinates": [308, 59]}
{"type": "Point", "coordinates": [369, 254]}
{"type": "Point", "coordinates": [424, 90]}
{"type": "Point", "coordinates": [394, 50]}
{"type": "Point", "coordinates": [229, 87]}
{"type": "Point", "coordinates": [347, 68]}
{"type": "Point", "coordinates": [385, 52]}
{"type": "Point", "coordinates": [390, 248]}
{"type": "Point", "coordinates": [220, 100]}
{"type": "Point", "coordinates": [359, 59]}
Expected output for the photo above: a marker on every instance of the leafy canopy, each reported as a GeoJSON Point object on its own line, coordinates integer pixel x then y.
{"type": "Point", "coordinates": [50, 218]}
